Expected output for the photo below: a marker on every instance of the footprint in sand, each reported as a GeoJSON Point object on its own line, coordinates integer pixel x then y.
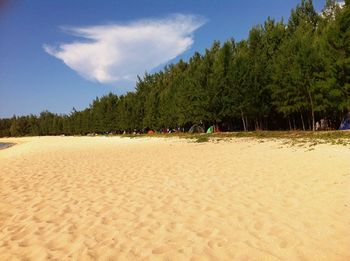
{"type": "Point", "coordinates": [216, 243]}
{"type": "Point", "coordinates": [23, 243]}
{"type": "Point", "coordinates": [160, 250]}
{"type": "Point", "coordinates": [204, 233]}
{"type": "Point", "coordinates": [283, 244]}
{"type": "Point", "coordinates": [59, 242]}
{"type": "Point", "coordinates": [258, 225]}
{"type": "Point", "coordinates": [19, 235]}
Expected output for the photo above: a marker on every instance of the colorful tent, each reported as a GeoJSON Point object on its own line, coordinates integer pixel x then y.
{"type": "Point", "coordinates": [196, 129]}
{"type": "Point", "coordinates": [345, 125]}
{"type": "Point", "coordinates": [210, 129]}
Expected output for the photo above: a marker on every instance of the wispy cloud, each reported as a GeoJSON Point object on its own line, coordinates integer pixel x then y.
{"type": "Point", "coordinates": [116, 52]}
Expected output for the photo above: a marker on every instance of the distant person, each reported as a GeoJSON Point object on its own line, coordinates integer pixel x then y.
{"type": "Point", "coordinates": [317, 125]}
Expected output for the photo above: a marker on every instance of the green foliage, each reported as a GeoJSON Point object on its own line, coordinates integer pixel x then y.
{"type": "Point", "coordinates": [202, 139]}
{"type": "Point", "coordinates": [283, 76]}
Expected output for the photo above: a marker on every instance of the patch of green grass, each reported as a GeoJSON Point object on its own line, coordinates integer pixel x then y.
{"type": "Point", "coordinates": [202, 139]}
{"type": "Point", "coordinates": [132, 136]}
{"type": "Point", "coordinates": [288, 138]}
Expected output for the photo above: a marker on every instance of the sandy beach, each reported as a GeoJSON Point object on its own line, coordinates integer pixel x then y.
{"type": "Point", "coordinates": [104, 198]}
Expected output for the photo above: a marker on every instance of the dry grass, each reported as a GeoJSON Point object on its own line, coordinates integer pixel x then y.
{"type": "Point", "coordinates": [292, 138]}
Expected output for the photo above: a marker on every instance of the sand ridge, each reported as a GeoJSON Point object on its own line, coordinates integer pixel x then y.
{"type": "Point", "coordinates": [100, 198]}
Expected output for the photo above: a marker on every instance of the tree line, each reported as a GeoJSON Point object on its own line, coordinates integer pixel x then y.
{"type": "Point", "coordinates": [285, 75]}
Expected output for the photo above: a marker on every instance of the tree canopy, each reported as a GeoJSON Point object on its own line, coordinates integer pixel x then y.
{"type": "Point", "coordinates": [285, 75]}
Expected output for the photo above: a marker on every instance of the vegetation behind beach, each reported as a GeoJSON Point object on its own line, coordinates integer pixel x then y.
{"type": "Point", "coordinates": [285, 75]}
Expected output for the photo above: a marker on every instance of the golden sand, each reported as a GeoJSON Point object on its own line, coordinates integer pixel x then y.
{"type": "Point", "coordinates": [81, 198]}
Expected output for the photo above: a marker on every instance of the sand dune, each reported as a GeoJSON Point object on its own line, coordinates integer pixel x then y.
{"type": "Point", "coordinates": [80, 198]}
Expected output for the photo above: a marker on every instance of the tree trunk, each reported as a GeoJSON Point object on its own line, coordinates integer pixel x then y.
{"type": "Point", "coordinates": [244, 125]}
{"type": "Point", "coordinates": [290, 124]}
{"type": "Point", "coordinates": [294, 127]}
{"type": "Point", "coordinates": [302, 121]}
{"type": "Point", "coordinates": [312, 110]}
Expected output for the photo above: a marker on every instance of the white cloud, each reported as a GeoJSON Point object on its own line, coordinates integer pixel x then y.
{"type": "Point", "coordinates": [116, 52]}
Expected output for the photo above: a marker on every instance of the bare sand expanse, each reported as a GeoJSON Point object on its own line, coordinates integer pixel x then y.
{"type": "Point", "coordinates": [81, 198]}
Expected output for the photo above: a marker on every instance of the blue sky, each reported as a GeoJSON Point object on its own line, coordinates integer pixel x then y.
{"type": "Point", "coordinates": [60, 54]}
